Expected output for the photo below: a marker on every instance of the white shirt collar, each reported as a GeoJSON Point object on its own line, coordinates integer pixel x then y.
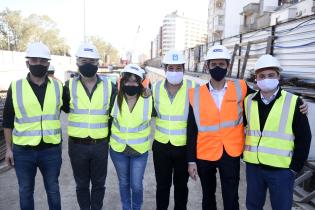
{"type": "Point", "coordinates": [267, 101]}
{"type": "Point", "coordinates": [212, 89]}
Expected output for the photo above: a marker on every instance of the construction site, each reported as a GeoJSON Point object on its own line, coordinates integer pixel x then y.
{"type": "Point", "coordinates": [291, 41]}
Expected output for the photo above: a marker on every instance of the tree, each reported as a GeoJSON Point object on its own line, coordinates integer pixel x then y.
{"type": "Point", "coordinates": [16, 32]}
{"type": "Point", "coordinates": [108, 53]}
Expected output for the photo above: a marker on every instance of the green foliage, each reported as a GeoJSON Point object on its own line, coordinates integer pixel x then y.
{"type": "Point", "coordinates": [108, 53]}
{"type": "Point", "coordinates": [17, 31]}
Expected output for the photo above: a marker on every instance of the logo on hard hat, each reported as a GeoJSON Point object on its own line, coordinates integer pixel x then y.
{"type": "Point", "coordinates": [88, 49]}
{"type": "Point", "coordinates": [175, 57]}
{"type": "Point", "coordinates": [217, 50]}
{"type": "Point", "coordinates": [135, 68]}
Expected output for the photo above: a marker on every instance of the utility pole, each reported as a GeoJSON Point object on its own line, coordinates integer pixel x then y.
{"type": "Point", "coordinates": [84, 34]}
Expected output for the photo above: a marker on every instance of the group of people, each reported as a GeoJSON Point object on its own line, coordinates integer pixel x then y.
{"type": "Point", "coordinates": [198, 129]}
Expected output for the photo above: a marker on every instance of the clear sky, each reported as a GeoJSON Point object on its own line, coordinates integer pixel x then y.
{"type": "Point", "coordinates": [115, 20]}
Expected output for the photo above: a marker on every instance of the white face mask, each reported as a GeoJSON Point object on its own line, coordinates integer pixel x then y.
{"type": "Point", "coordinates": [268, 84]}
{"type": "Point", "coordinates": [174, 77]}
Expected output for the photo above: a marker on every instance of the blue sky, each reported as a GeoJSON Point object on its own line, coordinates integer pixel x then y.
{"type": "Point", "coordinates": [114, 20]}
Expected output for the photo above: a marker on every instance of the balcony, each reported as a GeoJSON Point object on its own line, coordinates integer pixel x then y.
{"type": "Point", "coordinates": [218, 28]}
{"type": "Point", "coordinates": [248, 28]}
{"type": "Point", "coordinates": [264, 20]}
{"type": "Point", "coordinates": [218, 11]}
{"type": "Point", "coordinates": [250, 9]}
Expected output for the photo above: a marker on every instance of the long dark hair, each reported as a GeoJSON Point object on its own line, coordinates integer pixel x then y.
{"type": "Point", "coordinates": [121, 93]}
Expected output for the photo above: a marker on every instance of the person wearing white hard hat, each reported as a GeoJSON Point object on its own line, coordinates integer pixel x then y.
{"type": "Point", "coordinates": [277, 141]}
{"type": "Point", "coordinates": [51, 72]}
{"type": "Point", "coordinates": [145, 81]}
{"type": "Point", "coordinates": [130, 136]}
{"type": "Point", "coordinates": [32, 130]}
{"type": "Point", "coordinates": [89, 99]}
{"type": "Point", "coordinates": [169, 145]}
{"type": "Point", "coordinates": [215, 131]}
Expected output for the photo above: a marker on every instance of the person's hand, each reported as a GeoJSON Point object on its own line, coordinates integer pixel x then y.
{"type": "Point", "coordinates": [192, 170]}
{"type": "Point", "coordinates": [304, 108]}
{"type": "Point", "coordinates": [9, 158]}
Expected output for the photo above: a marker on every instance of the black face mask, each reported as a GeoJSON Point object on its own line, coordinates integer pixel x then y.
{"type": "Point", "coordinates": [131, 90]}
{"type": "Point", "coordinates": [38, 70]}
{"type": "Point", "coordinates": [218, 73]}
{"type": "Point", "coordinates": [88, 70]}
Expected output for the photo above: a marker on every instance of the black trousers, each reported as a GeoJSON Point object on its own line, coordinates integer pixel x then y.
{"type": "Point", "coordinates": [229, 169]}
{"type": "Point", "coordinates": [170, 164]}
{"type": "Point", "coordinates": [89, 164]}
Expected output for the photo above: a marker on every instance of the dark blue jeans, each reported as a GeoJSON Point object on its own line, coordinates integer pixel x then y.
{"type": "Point", "coordinates": [89, 165]}
{"type": "Point", "coordinates": [279, 182]}
{"type": "Point", "coordinates": [130, 171]}
{"type": "Point", "coordinates": [48, 161]}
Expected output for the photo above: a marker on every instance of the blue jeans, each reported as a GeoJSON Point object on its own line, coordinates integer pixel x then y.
{"type": "Point", "coordinates": [130, 171]}
{"type": "Point", "coordinates": [48, 161]}
{"type": "Point", "coordinates": [279, 182]}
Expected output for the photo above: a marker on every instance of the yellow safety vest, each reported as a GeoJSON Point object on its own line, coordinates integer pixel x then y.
{"type": "Point", "coordinates": [171, 120]}
{"type": "Point", "coordinates": [32, 123]}
{"type": "Point", "coordinates": [274, 145]}
{"type": "Point", "coordinates": [89, 117]}
{"type": "Point", "coordinates": [132, 129]}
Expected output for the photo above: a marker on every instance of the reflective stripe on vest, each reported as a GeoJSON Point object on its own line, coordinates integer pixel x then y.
{"type": "Point", "coordinates": [76, 110]}
{"type": "Point", "coordinates": [270, 147]}
{"type": "Point", "coordinates": [25, 118]}
{"type": "Point", "coordinates": [37, 132]}
{"type": "Point", "coordinates": [273, 134]}
{"type": "Point", "coordinates": [226, 124]}
{"type": "Point", "coordinates": [132, 141]}
{"type": "Point", "coordinates": [171, 117]}
{"type": "Point", "coordinates": [171, 132]}
{"type": "Point", "coordinates": [138, 135]}
{"type": "Point", "coordinates": [89, 116]}
{"type": "Point", "coordinates": [28, 129]}
{"type": "Point", "coordinates": [269, 150]}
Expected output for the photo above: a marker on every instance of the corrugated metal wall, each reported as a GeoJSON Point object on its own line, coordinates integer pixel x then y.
{"type": "Point", "coordinates": [294, 46]}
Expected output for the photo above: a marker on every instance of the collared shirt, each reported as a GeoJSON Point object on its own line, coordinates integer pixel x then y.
{"type": "Point", "coordinates": [66, 101]}
{"type": "Point", "coordinates": [8, 111]}
{"type": "Point", "coordinates": [267, 101]}
{"type": "Point", "coordinates": [217, 95]}
{"type": "Point", "coordinates": [172, 96]}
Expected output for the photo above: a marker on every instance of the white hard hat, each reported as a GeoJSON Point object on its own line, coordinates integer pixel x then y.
{"type": "Point", "coordinates": [218, 52]}
{"type": "Point", "coordinates": [51, 68]}
{"type": "Point", "coordinates": [173, 57]}
{"type": "Point", "coordinates": [87, 50]}
{"type": "Point", "coordinates": [266, 61]}
{"type": "Point", "coordinates": [37, 50]}
{"type": "Point", "coordinates": [134, 69]}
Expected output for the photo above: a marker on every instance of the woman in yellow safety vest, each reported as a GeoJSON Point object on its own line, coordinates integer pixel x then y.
{"type": "Point", "coordinates": [130, 136]}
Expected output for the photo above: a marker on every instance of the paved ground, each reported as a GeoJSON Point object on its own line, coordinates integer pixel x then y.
{"type": "Point", "coordinates": [9, 189]}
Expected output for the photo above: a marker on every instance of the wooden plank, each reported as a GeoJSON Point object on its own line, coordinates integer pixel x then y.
{"type": "Point", "coordinates": [245, 60]}
{"type": "Point", "coordinates": [236, 47]}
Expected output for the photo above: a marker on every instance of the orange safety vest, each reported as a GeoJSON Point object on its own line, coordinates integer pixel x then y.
{"type": "Point", "coordinates": [218, 129]}
{"type": "Point", "coordinates": [146, 83]}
